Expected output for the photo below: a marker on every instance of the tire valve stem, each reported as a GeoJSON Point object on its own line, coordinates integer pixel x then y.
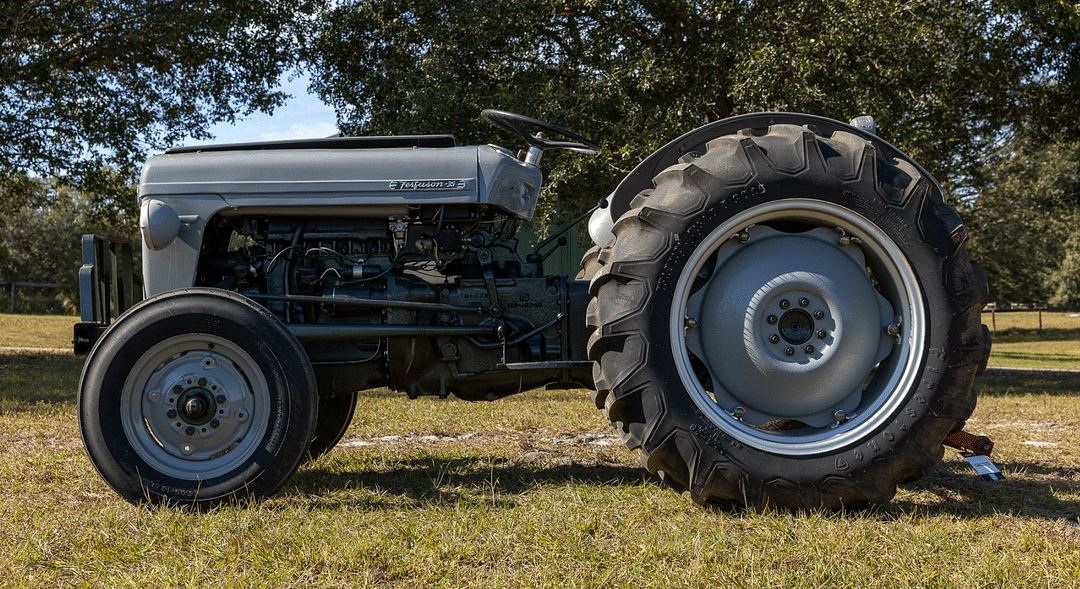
{"type": "Point", "coordinates": [742, 236]}
{"type": "Point", "coordinates": [738, 413]}
{"type": "Point", "coordinates": [690, 322]}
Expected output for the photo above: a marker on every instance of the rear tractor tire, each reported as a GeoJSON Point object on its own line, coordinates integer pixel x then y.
{"type": "Point", "coordinates": [788, 320]}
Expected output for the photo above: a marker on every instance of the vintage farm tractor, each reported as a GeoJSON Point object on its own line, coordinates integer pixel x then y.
{"type": "Point", "coordinates": [779, 309]}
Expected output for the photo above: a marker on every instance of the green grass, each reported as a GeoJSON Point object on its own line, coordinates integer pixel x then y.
{"type": "Point", "coordinates": [1019, 342]}
{"type": "Point", "coordinates": [36, 331]}
{"type": "Point", "coordinates": [523, 499]}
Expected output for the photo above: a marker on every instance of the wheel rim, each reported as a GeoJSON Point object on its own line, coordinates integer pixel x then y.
{"type": "Point", "coordinates": [785, 340]}
{"type": "Point", "coordinates": [195, 406]}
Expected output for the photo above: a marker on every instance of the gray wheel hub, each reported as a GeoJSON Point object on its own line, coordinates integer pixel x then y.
{"type": "Point", "coordinates": [809, 330]}
{"type": "Point", "coordinates": [195, 406]}
{"type": "Point", "coordinates": [798, 327]}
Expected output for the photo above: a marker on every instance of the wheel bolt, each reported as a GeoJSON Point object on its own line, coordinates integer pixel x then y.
{"type": "Point", "coordinates": [821, 334]}
{"type": "Point", "coordinates": [202, 382]}
{"type": "Point", "coordinates": [190, 431]}
{"type": "Point", "coordinates": [819, 315]}
{"type": "Point", "coordinates": [784, 304]}
{"type": "Point", "coordinates": [171, 413]}
{"type": "Point", "coordinates": [789, 351]}
{"type": "Point", "coordinates": [178, 389]}
{"type": "Point", "coordinates": [804, 302]}
{"type": "Point", "coordinates": [221, 398]}
{"type": "Point", "coordinates": [774, 339]}
{"type": "Point", "coordinates": [215, 423]}
{"type": "Point", "coordinates": [772, 319]}
{"type": "Point", "coordinates": [809, 349]}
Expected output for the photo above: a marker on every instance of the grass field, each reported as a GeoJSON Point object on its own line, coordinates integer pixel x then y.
{"type": "Point", "coordinates": [36, 331]}
{"type": "Point", "coordinates": [1020, 342]}
{"type": "Point", "coordinates": [530, 491]}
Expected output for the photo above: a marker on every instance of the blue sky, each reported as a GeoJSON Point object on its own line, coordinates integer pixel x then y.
{"type": "Point", "coordinates": [303, 116]}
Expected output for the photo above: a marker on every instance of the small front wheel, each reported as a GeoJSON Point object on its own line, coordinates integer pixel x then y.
{"type": "Point", "coordinates": [197, 396]}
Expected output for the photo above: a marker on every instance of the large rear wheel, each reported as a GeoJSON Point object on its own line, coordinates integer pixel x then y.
{"type": "Point", "coordinates": [788, 319]}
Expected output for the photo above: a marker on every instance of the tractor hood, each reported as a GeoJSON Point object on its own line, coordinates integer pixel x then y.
{"type": "Point", "coordinates": [342, 172]}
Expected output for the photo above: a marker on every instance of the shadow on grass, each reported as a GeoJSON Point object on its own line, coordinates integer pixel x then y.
{"type": "Point", "coordinates": [1018, 334]}
{"type": "Point", "coordinates": [29, 379]}
{"type": "Point", "coordinates": [1029, 490]}
{"type": "Point", "coordinates": [996, 382]}
{"type": "Point", "coordinates": [425, 482]}
{"type": "Point", "coordinates": [434, 481]}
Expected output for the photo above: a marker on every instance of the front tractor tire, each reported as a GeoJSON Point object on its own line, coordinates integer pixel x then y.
{"type": "Point", "coordinates": [197, 397]}
{"type": "Point", "coordinates": [788, 319]}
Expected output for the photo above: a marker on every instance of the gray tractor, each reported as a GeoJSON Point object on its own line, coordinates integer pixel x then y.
{"type": "Point", "coordinates": [778, 310]}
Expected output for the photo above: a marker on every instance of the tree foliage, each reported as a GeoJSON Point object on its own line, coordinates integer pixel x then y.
{"type": "Point", "coordinates": [945, 80]}
{"type": "Point", "coordinates": [89, 86]}
{"type": "Point", "coordinates": [40, 238]}
{"type": "Point", "coordinates": [1025, 222]}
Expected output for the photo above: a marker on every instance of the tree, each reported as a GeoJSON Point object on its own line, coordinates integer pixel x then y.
{"type": "Point", "coordinates": [1024, 223]}
{"type": "Point", "coordinates": [87, 87]}
{"type": "Point", "coordinates": [945, 80]}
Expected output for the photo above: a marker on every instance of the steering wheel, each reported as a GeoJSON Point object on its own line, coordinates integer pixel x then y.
{"type": "Point", "coordinates": [512, 122]}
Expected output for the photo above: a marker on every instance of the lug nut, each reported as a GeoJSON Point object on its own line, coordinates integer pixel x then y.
{"type": "Point", "coordinates": [772, 319]}
{"type": "Point", "coordinates": [804, 302]}
{"type": "Point", "coordinates": [774, 339]}
{"type": "Point", "coordinates": [171, 413]}
{"type": "Point", "coordinates": [221, 398]}
{"type": "Point", "coordinates": [178, 389]}
{"type": "Point", "coordinates": [784, 304]}
{"type": "Point", "coordinates": [190, 431]}
{"type": "Point", "coordinates": [215, 423]}
{"type": "Point", "coordinates": [789, 351]}
{"type": "Point", "coordinates": [821, 334]}
{"type": "Point", "coordinates": [809, 349]}
{"type": "Point", "coordinates": [819, 315]}
{"type": "Point", "coordinates": [202, 382]}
